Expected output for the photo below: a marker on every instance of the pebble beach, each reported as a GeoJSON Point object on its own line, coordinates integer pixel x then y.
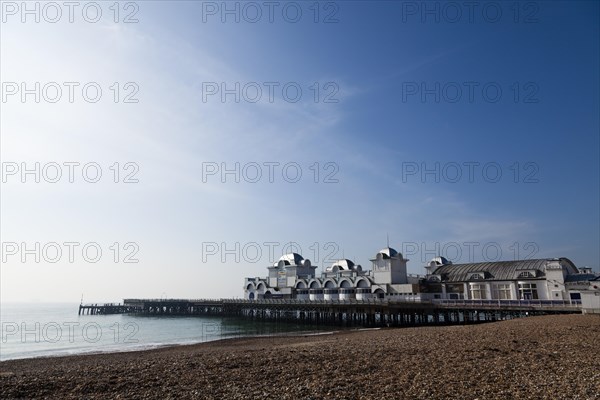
{"type": "Point", "coordinates": [545, 357]}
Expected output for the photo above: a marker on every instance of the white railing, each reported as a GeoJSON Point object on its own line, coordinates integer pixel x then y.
{"type": "Point", "coordinates": [322, 302]}
{"type": "Point", "coordinates": [375, 301]}
{"type": "Point", "coordinates": [506, 303]}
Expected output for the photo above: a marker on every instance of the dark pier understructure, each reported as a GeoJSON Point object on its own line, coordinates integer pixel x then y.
{"type": "Point", "coordinates": [349, 313]}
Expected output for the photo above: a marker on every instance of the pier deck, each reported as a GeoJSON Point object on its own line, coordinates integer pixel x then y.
{"type": "Point", "coordinates": [373, 312]}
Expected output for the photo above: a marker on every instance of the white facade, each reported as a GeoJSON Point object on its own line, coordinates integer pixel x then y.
{"type": "Point", "coordinates": [293, 277]}
{"type": "Point", "coordinates": [539, 279]}
{"type": "Point", "coordinates": [585, 287]}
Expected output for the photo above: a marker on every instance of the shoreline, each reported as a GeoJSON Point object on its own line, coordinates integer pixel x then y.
{"type": "Point", "coordinates": [151, 347]}
{"type": "Point", "coordinates": [291, 334]}
{"type": "Point", "coordinates": [552, 357]}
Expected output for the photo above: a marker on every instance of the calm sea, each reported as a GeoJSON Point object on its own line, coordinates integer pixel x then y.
{"type": "Point", "coordinates": [38, 329]}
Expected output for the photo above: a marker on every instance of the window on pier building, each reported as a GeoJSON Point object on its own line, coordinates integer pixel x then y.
{"type": "Point", "coordinates": [476, 277]}
{"type": "Point", "coordinates": [528, 291]}
{"type": "Point", "coordinates": [526, 274]}
{"type": "Point", "coordinates": [478, 292]}
{"type": "Point", "coordinates": [501, 291]}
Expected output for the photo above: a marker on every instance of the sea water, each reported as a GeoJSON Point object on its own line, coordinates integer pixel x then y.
{"type": "Point", "coordinates": [44, 329]}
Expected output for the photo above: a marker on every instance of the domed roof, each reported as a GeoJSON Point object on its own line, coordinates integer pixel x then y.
{"type": "Point", "coordinates": [439, 261]}
{"type": "Point", "coordinates": [342, 265]}
{"type": "Point", "coordinates": [388, 252]}
{"type": "Point", "coordinates": [290, 259]}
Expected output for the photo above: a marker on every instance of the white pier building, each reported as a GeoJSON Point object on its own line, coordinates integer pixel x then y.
{"type": "Point", "coordinates": [293, 277]}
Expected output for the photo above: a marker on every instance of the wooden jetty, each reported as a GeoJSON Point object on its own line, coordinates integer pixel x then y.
{"type": "Point", "coordinates": [366, 313]}
{"type": "Point", "coordinates": [107, 308]}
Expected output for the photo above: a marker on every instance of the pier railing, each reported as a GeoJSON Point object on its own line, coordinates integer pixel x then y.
{"type": "Point", "coordinates": [369, 301]}
{"type": "Point", "coordinates": [510, 303]}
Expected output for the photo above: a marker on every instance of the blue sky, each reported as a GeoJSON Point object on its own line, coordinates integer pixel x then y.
{"type": "Point", "coordinates": [373, 59]}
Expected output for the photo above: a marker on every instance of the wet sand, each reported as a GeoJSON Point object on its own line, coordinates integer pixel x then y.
{"type": "Point", "coordinates": [549, 357]}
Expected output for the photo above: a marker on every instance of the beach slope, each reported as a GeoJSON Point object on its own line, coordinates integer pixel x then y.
{"type": "Point", "coordinates": [547, 357]}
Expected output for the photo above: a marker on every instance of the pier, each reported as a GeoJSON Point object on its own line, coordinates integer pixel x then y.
{"type": "Point", "coordinates": [107, 308]}
{"type": "Point", "coordinates": [350, 313]}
